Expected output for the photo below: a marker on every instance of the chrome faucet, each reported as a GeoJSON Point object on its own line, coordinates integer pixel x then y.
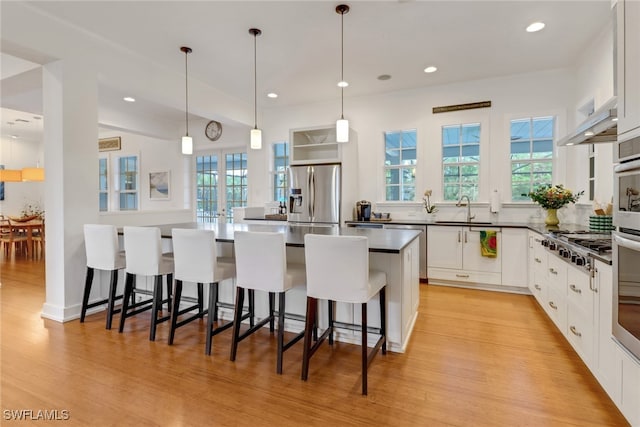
{"type": "Point", "coordinates": [469, 216]}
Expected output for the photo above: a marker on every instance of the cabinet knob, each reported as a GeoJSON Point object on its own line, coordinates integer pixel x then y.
{"type": "Point", "coordinates": [553, 271]}
{"type": "Point", "coordinates": [574, 331]}
{"type": "Point", "coordinates": [537, 287]}
{"type": "Point", "coordinates": [574, 289]}
{"type": "Point", "coordinates": [552, 305]}
{"type": "Point", "coordinates": [538, 260]}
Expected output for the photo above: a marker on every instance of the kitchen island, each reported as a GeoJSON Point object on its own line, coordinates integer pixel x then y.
{"type": "Point", "coordinates": [396, 252]}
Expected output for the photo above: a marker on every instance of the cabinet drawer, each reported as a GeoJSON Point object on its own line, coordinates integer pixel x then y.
{"type": "Point", "coordinates": [578, 291]}
{"type": "Point", "coordinates": [557, 274]}
{"type": "Point", "coordinates": [580, 330]}
{"type": "Point", "coordinates": [556, 308]}
{"type": "Point", "coordinates": [464, 276]}
{"type": "Point", "coordinates": [538, 289]}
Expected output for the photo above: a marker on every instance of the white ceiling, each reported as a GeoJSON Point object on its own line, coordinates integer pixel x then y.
{"type": "Point", "coordinates": [299, 51]}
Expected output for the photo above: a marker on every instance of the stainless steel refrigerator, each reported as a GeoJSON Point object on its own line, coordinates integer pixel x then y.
{"type": "Point", "coordinates": [314, 195]}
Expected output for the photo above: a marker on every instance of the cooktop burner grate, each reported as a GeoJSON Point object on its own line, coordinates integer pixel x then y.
{"type": "Point", "coordinates": [598, 245]}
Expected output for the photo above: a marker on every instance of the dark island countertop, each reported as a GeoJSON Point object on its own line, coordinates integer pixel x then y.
{"type": "Point", "coordinates": [380, 240]}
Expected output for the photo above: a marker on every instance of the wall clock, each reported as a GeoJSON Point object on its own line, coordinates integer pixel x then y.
{"type": "Point", "coordinates": [213, 130]}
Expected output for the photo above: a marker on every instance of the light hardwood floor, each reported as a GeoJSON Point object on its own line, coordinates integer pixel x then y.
{"type": "Point", "coordinates": [475, 359]}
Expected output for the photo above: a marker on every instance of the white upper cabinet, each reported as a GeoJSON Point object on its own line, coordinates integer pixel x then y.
{"type": "Point", "coordinates": [628, 46]}
{"type": "Point", "coordinates": [318, 145]}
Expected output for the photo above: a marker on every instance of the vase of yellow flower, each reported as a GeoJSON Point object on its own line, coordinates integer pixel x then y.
{"type": "Point", "coordinates": [552, 198]}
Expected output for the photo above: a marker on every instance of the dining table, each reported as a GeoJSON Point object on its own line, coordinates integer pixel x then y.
{"type": "Point", "coordinates": [28, 228]}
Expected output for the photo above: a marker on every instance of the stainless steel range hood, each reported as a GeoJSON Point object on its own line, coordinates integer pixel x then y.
{"type": "Point", "coordinates": [601, 126]}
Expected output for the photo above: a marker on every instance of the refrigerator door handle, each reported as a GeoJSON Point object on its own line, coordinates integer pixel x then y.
{"type": "Point", "coordinates": [310, 195]}
{"type": "Point", "coordinates": [313, 195]}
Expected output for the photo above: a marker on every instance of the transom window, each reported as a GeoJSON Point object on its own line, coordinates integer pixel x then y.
{"type": "Point", "coordinates": [280, 165]}
{"type": "Point", "coordinates": [531, 155]}
{"type": "Point", "coordinates": [400, 165]}
{"type": "Point", "coordinates": [128, 183]}
{"type": "Point", "coordinates": [461, 161]}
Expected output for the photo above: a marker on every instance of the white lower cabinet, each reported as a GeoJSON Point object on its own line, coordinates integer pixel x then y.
{"type": "Point", "coordinates": [630, 390]}
{"type": "Point", "coordinates": [580, 313]}
{"type": "Point", "coordinates": [556, 301]}
{"type": "Point", "coordinates": [514, 253]}
{"type": "Point", "coordinates": [454, 255]}
{"type": "Point", "coordinates": [538, 268]}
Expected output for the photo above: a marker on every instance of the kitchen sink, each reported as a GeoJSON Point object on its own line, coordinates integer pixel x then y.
{"type": "Point", "coordinates": [464, 222]}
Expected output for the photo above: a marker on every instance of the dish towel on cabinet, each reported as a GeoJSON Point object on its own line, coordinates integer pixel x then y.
{"type": "Point", "coordinates": [488, 243]}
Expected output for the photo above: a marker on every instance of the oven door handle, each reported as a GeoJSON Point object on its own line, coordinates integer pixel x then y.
{"type": "Point", "coordinates": [627, 243]}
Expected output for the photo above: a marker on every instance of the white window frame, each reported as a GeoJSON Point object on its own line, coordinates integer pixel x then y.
{"type": "Point", "coordinates": [400, 167]}
{"type": "Point", "coordinates": [461, 164]}
{"type": "Point", "coordinates": [222, 214]}
{"type": "Point", "coordinates": [107, 192]}
{"type": "Point", "coordinates": [116, 179]}
{"type": "Point", "coordinates": [275, 173]}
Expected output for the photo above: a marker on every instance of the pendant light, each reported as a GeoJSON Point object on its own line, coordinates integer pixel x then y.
{"type": "Point", "coordinates": [10, 175]}
{"type": "Point", "coordinates": [256, 134]}
{"type": "Point", "coordinates": [187, 141]}
{"type": "Point", "coordinates": [342, 125]}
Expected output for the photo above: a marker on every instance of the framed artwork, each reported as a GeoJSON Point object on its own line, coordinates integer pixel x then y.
{"type": "Point", "coordinates": [159, 188]}
{"type": "Point", "coordinates": [109, 144]}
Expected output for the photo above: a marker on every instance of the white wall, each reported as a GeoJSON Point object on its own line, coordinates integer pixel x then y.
{"type": "Point", "coordinates": [541, 93]}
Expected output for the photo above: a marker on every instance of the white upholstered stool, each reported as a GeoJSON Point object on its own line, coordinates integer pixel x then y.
{"type": "Point", "coordinates": [338, 270]}
{"type": "Point", "coordinates": [196, 261]}
{"type": "Point", "coordinates": [261, 264]}
{"type": "Point", "coordinates": [143, 252]}
{"type": "Point", "coordinates": [103, 253]}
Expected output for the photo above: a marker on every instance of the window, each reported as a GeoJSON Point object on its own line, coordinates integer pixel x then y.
{"type": "Point", "coordinates": [400, 165]}
{"type": "Point", "coordinates": [461, 161]}
{"type": "Point", "coordinates": [531, 155]}
{"type": "Point", "coordinates": [280, 165]}
{"type": "Point", "coordinates": [103, 185]}
{"type": "Point", "coordinates": [207, 188]}
{"type": "Point", "coordinates": [236, 182]}
{"type": "Point", "coordinates": [128, 180]}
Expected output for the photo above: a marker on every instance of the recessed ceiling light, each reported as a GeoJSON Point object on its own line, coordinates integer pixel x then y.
{"type": "Point", "coordinates": [431, 69]}
{"type": "Point", "coordinates": [14, 136]}
{"type": "Point", "coordinates": [343, 84]}
{"type": "Point", "coordinates": [129, 99]}
{"type": "Point", "coordinates": [588, 133]}
{"type": "Point", "coordinates": [536, 26]}
{"type": "Point", "coordinates": [384, 77]}
{"type": "Point", "coordinates": [272, 95]}
{"type": "Point", "coordinates": [615, 119]}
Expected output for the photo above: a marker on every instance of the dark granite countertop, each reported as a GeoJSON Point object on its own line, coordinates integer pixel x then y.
{"type": "Point", "coordinates": [380, 240]}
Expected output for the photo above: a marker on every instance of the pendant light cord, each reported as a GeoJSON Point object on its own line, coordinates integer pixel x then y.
{"type": "Point", "coordinates": [186, 51]}
{"type": "Point", "coordinates": [342, 65]}
{"type": "Point", "coordinates": [255, 81]}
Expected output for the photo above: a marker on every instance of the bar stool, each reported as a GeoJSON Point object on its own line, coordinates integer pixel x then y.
{"type": "Point", "coordinates": [261, 265]}
{"type": "Point", "coordinates": [143, 252]}
{"type": "Point", "coordinates": [338, 270]}
{"type": "Point", "coordinates": [103, 253]}
{"type": "Point", "coordinates": [196, 261]}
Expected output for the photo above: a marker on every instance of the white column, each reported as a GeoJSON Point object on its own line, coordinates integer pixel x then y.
{"type": "Point", "coordinates": [70, 110]}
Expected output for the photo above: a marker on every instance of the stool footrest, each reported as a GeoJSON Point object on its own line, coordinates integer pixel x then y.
{"type": "Point", "coordinates": [102, 302]}
{"type": "Point", "coordinates": [190, 319]}
{"type": "Point", "coordinates": [251, 330]}
{"type": "Point", "coordinates": [294, 340]}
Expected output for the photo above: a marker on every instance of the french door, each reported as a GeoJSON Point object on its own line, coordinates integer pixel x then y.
{"type": "Point", "coordinates": [221, 184]}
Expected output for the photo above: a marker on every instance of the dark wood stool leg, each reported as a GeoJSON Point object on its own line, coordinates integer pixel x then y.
{"type": "Point", "coordinates": [169, 288]}
{"type": "Point", "coordinates": [212, 315]}
{"type": "Point", "coordinates": [281, 311]}
{"type": "Point", "coordinates": [252, 305]}
{"type": "Point", "coordinates": [200, 299]}
{"type": "Point", "coordinates": [383, 318]}
{"type": "Point", "coordinates": [128, 293]}
{"type": "Point", "coordinates": [237, 318]}
{"type": "Point", "coordinates": [176, 309]}
{"type": "Point", "coordinates": [112, 297]}
{"type": "Point", "coordinates": [310, 322]}
{"type": "Point", "coordinates": [156, 306]}
{"type": "Point", "coordinates": [272, 302]}
{"type": "Point", "coordinates": [331, 306]}
{"type": "Point", "coordinates": [365, 351]}
{"type": "Point", "coordinates": [87, 291]}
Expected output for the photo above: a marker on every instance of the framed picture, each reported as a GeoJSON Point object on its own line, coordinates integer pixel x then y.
{"type": "Point", "coordinates": [109, 144]}
{"type": "Point", "coordinates": [159, 188]}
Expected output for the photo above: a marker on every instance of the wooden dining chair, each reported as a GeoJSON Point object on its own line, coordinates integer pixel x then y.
{"type": "Point", "coordinates": [38, 240]}
{"type": "Point", "coordinates": [11, 239]}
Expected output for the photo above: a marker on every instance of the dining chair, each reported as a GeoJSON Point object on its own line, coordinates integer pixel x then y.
{"type": "Point", "coordinates": [196, 261]}
{"type": "Point", "coordinates": [144, 257]}
{"type": "Point", "coordinates": [338, 270]}
{"type": "Point", "coordinates": [261, 264]}
{"type": "Point", "coordinates": [11, 239]}
{"type": "Point", "coordinates": [103, 253]}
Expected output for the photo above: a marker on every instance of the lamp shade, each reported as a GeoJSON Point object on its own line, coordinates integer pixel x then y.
{"type": "Point", "coordinates": [256, 139]}
{"type": "Point", "coordinates": [187, 145]}
{"type": "Point", "coordinates": [342, 130]}
{"type": "Point", "coordinates": [33, 174]}
{"type": "Point", "coordinates": [10, 175]}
